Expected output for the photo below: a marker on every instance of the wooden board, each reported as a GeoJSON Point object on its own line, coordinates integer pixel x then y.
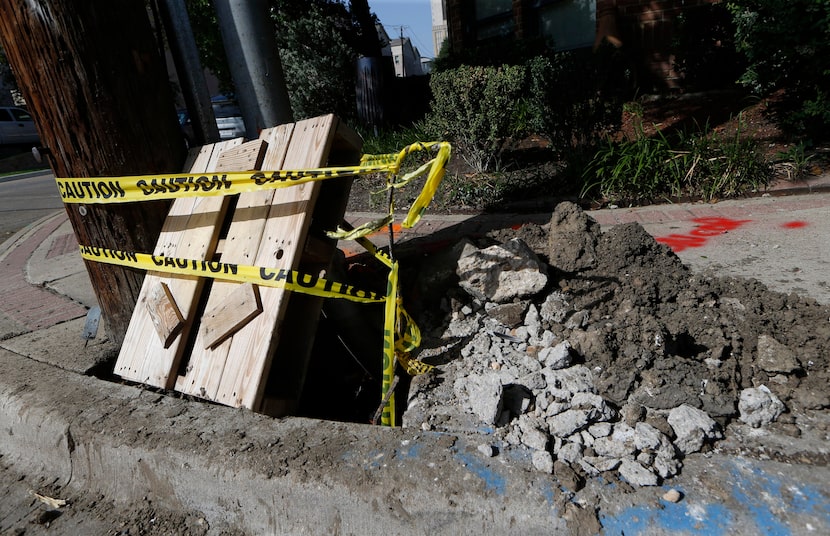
{"type": "Point", "coordinates": [234, 373]}
{"type": "Point", "coordinates": [191, 230]}
{"type": "Point", "coordinates": [204, 368]}
{"type": "Point", "coordinates": [289, 367]}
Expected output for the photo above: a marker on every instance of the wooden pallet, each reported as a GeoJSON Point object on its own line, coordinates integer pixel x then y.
{"type": "Point", "coordinates": [228, 332]}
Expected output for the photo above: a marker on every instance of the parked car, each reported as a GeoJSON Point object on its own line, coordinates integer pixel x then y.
{"type": "Point", "coordinates": [228, 119]}
{"type": "Point", "coordinates": [17, 126]}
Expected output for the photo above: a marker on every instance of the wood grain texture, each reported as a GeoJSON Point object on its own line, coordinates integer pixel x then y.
{"type": "Point", "coordinates": [191, 230]}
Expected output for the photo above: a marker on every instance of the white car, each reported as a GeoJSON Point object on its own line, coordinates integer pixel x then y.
{"type": "Point", "coordinates": [17, 127]}
{"type": "Point", "coordinates": [228, 120]}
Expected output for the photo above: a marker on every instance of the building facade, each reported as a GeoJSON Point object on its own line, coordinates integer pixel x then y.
{"type": "Point", "coordinates": [645, 28]}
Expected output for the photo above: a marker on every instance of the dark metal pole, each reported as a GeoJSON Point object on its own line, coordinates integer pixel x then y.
{"type": "Point", "coordinates": [189, 68]}
{"type": "Point", "coordinates": [250, 44]}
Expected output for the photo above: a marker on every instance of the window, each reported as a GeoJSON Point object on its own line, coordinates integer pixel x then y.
{"type": "Point", "coordinates": [5, 115]}
{"type": "Point", "coordinates": [494, 18]}
{"type": "Point", "coordinates": [491, 8]}
{"type": "Point", "coordinates": [569, 23]}
{"type": "Point", "coordinates": [20, 115]}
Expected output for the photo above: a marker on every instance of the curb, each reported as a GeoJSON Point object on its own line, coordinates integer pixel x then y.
{"type": "Point", "coordinates": [25, 233]}
{"type": "Point", "coordinates": [255, 473]}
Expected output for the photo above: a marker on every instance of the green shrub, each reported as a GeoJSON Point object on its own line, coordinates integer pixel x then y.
{"type": "Point", "coordinates": [787, 44]}
{"type": "Point", "coordinates": [571, 98]}
{"type": "Point", "coordinates": [576, 97]}
{"type": "Point", "coordinates": [475, 107]}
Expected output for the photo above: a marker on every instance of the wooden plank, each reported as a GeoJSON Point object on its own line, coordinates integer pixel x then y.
{"type": "Point", "coordinates": [133, 354]}
{"type": "Point", "coordinates": [206, 364]}
{"type": "Point", "coordinates": [250, 350]}
{"type": "Point", "coordinates": [166, 316]}
{"type": "Point", "coordinates": [191, 230]}
{"type": "Point", "coordinates": [219, 323]}
{"type": "Point", "coordinates": [291, 359]}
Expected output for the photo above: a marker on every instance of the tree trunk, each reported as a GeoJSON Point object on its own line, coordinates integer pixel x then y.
{"type": "Point", "coordinates": [98, 90]}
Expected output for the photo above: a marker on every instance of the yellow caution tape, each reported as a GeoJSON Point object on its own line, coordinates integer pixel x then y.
{"type": "Point", "coordinates": [401, 334]}
{"type": "Point", "coordinates": [436, 173]}
{"type": "Point", "coordinates": [407, 334]}
{"type": "Point", "coordinates": [269, 277]}
{"type": "Point", "coordinates": [128, 189]}
{"type": "Point", "coordinates": [364, 230]}
{"type": "Point", "coordinates": [387, 417]}
{"type": "Point", "coordinates": [175, 186]}
{"type": "Point", "coordinates": [413, 367]}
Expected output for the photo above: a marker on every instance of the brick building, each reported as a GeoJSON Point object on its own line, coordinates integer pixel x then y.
{"type": "Point", "coordinates": [644, 28]}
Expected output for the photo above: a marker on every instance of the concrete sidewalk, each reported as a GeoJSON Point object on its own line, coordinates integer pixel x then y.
{"type": "Point", "coordinates": [261, 475]}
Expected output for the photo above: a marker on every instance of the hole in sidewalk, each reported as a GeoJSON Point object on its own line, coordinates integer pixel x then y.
{"type": "Point", "coordinates": [343, 378]}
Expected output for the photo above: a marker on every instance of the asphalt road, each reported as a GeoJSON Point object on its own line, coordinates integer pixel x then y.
{"type": "Point", "coordinates": [26, 198]}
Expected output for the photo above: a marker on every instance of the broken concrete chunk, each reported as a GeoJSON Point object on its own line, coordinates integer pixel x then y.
{"type": "Point", "coordinates": [665, 463]}
{"type": "Point", "coordinates": [532, 322]}
{"type": "Point", "coordinates": [466, 327]}
{"type": "Point", "coordinates": [562, 384]}
{"type": "Point", "coordinates": [534, 438]}
{"type": "Point", "coordinates": [759, 407]}
{"type": "Point", "coordinates": [600, 429]}
{"type": "Point", "coordinates": [557, 357]}
{"type": "Point", "coordinates": [479, 345]}
{"type": "Point", "coordinates": [535, 381]}
{"type": "Point", "coordinates": [611, 448]}
{"type": "Point", "coordinates": [570, 452]}
{"type": "Point", "coordinates": [568, 422]}
{"type": "Point", "coordinates": [542, 461]}
{"type": "Point", "coordinates": [487, 450]}
{"type": "Point", "coordinates": [602, 411]}
{"type": "Point", "coordinates": [555, 308]}
{"type": "Point", "coordinates": [692, 428]}
{"type": "Point", "coordinates": [637, 475]}
{"type": "Point", "coordinates": [555, 408]}
{"type": "Point", "coordinates": [485, 396]}
{"type": "Point", "coordinates": [647, 437]}
{"type": "Point", "coordinates": [593, 465]}
{"type": "Point", "coordinates": [776, 357]}
{"type": "Point", "coordinates": [501, 273]}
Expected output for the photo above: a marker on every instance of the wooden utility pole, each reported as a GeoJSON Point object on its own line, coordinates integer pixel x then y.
{"type": "Point", "coordinates": [93, 80]}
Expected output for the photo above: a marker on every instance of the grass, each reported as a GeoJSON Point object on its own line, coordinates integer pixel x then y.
{"type": "Point", "coordinates": [701, 165]}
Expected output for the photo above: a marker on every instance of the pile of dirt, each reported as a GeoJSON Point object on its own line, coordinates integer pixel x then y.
{"type": "Point", "coordinates": [626, 363]}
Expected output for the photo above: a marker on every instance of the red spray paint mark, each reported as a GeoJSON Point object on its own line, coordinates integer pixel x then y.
{"type": "Point", "coordinates": [396, 228]}
{"type": "Point", "coordinates": [697, 237]}
{"type": "Point", "coordinates": [794, 224]}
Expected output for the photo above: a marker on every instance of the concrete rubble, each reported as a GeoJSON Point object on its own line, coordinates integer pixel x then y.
{"type": "Point", "coordinates": [525, 373]}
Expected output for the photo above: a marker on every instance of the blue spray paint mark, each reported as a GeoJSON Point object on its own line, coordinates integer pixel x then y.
{"type": "Point", "coordinates": [711, 520]}
{"type": "Point", "coordinates": [413, 450]}
{"type": "Point", "coordinates": [762, 494]}
{"type": "Point", "coordinates": [492, 480]}
{"type": "Point", "coordinates": [548, 493]}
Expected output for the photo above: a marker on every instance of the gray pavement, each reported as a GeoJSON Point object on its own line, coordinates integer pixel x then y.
{"type": "Point", "coordinates": [297, 476]}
